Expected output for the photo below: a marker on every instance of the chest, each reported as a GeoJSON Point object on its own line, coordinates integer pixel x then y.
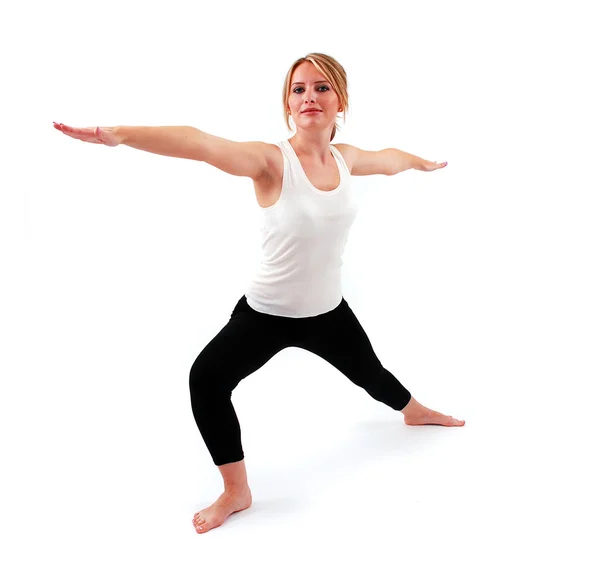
{"type": "Point", "coordinates": [321, 177]}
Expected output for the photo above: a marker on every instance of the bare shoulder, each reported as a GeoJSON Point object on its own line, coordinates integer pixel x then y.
{"type": "Point", "coordinates": [267, 186]}
{"type": "Point", "coordinates": [241, 158]}
{"type": "Point", "coordinates": [274, 162]}
{"type": "Point", "coordinates": [274, 157]}
{"type": "Point", "coordinates": [348, 153]}
{"type": "Point", "coordinates": [362, 162]}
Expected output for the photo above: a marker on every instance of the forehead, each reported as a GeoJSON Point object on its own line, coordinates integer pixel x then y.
{"type": "Point", "coordinates": [307, 72]}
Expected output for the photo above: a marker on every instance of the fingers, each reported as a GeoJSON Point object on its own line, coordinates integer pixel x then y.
{"type": "Point", "coordinates": [63, 128]}
{"type": "Point", "coordinates": [436, 165]}
{"type": "Point", "coordinates": [87, 134]}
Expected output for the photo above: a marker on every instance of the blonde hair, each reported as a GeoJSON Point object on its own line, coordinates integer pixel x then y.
{"type": "Point", "coordinates": [334, 73]}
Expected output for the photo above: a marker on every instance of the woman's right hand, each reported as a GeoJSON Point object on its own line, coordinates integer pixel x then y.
{"type": "Point", "coordinates": [104, 135]}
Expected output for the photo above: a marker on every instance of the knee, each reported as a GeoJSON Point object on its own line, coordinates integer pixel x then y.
{"type": "Point", "coordinates": [208, 379]}
{"type": "Point", "coordinates": [199, 376]}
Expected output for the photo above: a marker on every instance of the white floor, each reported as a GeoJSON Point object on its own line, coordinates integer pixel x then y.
{"type": "Point", "coordinates": [338, 480]}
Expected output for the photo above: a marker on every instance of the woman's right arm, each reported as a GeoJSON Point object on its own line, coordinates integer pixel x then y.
{"type": "Point", "coordinates": [244, 159]}
{"type": "Point", "coordinates": [184, 142]}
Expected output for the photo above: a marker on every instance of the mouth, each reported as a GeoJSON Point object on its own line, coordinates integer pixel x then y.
{"type": "Point", "coordinates": [312, 111]}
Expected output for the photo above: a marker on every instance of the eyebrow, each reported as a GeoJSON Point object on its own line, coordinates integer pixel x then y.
{"type": "Point", "coordinates": [320, 81]}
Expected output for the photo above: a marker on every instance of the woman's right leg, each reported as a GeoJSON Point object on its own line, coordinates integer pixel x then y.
{"type": "Point", "coordinates": [248, 341]}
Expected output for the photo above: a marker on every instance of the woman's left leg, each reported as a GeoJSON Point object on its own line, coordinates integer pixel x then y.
{"type": "Point", "coordinates": [338, 337]}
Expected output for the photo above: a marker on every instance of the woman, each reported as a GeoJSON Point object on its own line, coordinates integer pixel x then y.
{"type": "Point", "coordinates": [302, 186]}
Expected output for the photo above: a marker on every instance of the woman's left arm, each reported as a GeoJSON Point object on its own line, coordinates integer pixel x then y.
{"type": "Point", "coordinates": [385, 162]}
{"type": "Point", "coordinates": [401, 161]}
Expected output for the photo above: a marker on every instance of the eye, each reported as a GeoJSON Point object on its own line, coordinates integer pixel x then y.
{"type": "Point", "coordinates": [326, 88]}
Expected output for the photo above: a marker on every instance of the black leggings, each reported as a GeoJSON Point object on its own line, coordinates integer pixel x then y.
{"type": "Point", "coordinates": [250, 339]}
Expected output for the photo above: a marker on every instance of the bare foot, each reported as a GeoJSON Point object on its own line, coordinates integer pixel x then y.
{"type": "Point", "coordinates": [215, 515]}
{"type": "Point", "coordinates": [417, 414]}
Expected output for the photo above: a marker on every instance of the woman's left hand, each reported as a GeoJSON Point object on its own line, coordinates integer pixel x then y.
{"type": "Point", "coordinates": [430, 166]}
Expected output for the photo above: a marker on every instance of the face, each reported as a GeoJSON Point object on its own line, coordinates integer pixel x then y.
{"type": "Point", "coordinates": [311, 89]}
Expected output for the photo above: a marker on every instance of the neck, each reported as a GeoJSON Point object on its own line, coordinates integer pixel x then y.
{"type": "Point", "coordinates": [313, 145]}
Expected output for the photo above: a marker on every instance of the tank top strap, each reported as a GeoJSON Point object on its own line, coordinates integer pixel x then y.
{"type": "Point", "coordinates": [340, 158]}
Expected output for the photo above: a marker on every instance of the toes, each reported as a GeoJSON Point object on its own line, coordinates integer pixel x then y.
{"type": "Point", "coordinates": [448, 421]}
{"type": "Point", "coordinates": [199, 523]}
{"type": "Point", "coordinates": [434, 419]}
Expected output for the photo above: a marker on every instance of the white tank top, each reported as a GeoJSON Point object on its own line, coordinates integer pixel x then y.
{"type": "Point", "coordinates": [303, 239]}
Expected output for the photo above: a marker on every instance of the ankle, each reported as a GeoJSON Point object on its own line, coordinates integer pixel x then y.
{"type": "Point", "coordinates": [411, 407]}
{"type": "Point", "coordinates": [236, 489]}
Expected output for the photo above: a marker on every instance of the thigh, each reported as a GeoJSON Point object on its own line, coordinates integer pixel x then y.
{"type": "Point", "coordinates": [248, 341]}
{"type": "Point", "coordinates": [339, 338]}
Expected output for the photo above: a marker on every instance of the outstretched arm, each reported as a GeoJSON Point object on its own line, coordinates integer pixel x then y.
{"type": "Point", "coordinates": [401, 161]}
{"type": "Point", "coordinates": [243, 159]}
{"type": "Point", "coordinates": [184, 142]}
{"type": "Point", "coordinates": [385, 162]}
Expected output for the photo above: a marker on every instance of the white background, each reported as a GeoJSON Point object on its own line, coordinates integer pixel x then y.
{"type": "Point", "coordinates": [477, 285]}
